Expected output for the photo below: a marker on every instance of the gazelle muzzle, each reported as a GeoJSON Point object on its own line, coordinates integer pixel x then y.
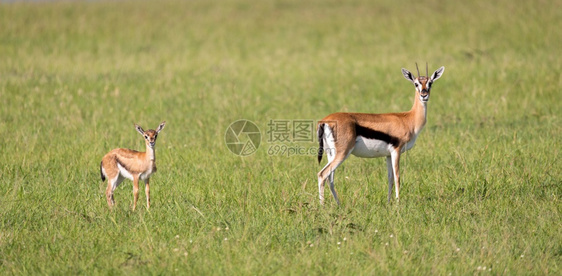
{"type": "Point", "coordinates": [424, 95]}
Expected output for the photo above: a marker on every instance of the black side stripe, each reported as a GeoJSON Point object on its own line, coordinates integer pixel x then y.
{"type": "Point", "coordinates": [377, 135]}
{"type": "Point", "coordinates": [121, 164]}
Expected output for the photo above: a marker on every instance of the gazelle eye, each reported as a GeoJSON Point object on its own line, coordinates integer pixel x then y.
{"type": "Point", "coordinates": [416, 84]}
{"type": "Point", "coordinates": [145, 137]}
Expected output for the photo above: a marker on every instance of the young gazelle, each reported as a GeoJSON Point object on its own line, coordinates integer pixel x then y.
{"type": "Point", "coordinates": [119, 164]}
{"type": "Point", "coordinates": [368, 135]}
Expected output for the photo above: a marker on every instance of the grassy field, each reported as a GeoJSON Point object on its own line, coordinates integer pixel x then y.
{"type": "Point", "coordinates": [481, 191]}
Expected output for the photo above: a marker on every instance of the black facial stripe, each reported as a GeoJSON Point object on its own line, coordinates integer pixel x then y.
{"type": "Point", "coordinates": [377, 135]}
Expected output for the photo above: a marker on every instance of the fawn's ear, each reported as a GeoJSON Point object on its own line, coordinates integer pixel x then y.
{"type": "Point", "coordinates": [161, 126]}
{"type": "Point", "coordinates": [139, 129]}
{"type": "Point", "coordinates": [408, 75]}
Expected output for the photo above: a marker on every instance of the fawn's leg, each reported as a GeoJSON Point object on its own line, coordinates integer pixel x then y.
{"type": "Point", "coordinates": [135, 191]}
{"type": "Point", "coordinates": [147, 192]}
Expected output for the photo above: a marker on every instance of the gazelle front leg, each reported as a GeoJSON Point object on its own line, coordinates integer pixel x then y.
{"type": "Point", "coordinates": [147, 192]}
{"type": "Point", "coordinates": [390, 176]}
{"type": "Point", "coordinates": [135, 191]}
{"type": "Point", "coordinates": [395, 159]}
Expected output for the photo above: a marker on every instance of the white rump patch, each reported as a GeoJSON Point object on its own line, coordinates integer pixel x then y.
{"type": "Point", "coordinates": [329, 143]}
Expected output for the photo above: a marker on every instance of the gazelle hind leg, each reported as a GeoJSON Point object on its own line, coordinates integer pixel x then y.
{"type": "Point", "coordinates": [109, 194]}
{"type": "Point", "coordinates": [322, 177]}
{"type": "Point", "coordinates": [329, 150]}
{"type": "Point", "coordinates": [331, 154]}
{"type": "Point", "coordinates": [335, 158]}
{"type": "Point", "coordinates": [328, 172]}
{"type": "Point", "coordinates": [321, 188]}
{"type": "Point", "coordinates": [333, 188]}
{"type": "Point", "coordinates": [112, 183]}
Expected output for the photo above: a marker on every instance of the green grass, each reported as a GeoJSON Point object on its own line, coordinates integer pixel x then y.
{"type": "Point", "coordinates": [482, 187]}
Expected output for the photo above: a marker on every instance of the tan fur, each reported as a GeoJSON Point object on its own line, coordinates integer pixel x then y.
{"type": "Point", "coordinates": [402, 127]}
{"type": "Point", "coordinates": [138, 165]}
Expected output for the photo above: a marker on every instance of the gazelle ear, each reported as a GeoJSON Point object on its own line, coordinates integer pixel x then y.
{"type": "Point", "coordinates": [408, 75]}
{"type": "Point", "coordinates": [161, 126]}
{"type": "Point", "coordinates": [139, 129]}
{"type": "Point", "coordinates": [437, 74]}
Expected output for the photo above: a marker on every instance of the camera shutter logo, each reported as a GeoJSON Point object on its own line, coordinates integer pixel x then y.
{"type": "Point", "coordinates": [242, 137]}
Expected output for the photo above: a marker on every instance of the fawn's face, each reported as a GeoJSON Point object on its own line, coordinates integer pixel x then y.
{"type": "Point", "coordinates": [150, 135]}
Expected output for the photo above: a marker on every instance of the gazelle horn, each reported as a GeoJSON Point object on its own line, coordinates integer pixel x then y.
{"type": "Point", "coordinates": [418, 69]}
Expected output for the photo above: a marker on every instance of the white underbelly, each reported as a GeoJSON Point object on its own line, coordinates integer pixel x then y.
{"type": "Point", "coordinates": [124, 172]}
{"type": "Point", "coordinates": [371, 148]}
{"type": "Point", "coordinates": [142, 176]}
